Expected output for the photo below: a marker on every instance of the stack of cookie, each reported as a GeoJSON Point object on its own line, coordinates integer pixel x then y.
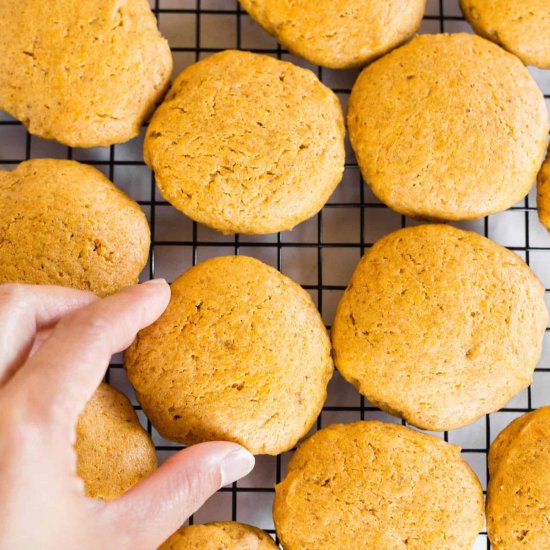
{"type": "Point", "coordinates": [438, 326]}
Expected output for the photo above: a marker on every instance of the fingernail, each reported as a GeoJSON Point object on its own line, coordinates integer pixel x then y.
{"type": "Point", "coordinates": [155, 282]}
{"type": "Point", "coordinates": [235, 465]}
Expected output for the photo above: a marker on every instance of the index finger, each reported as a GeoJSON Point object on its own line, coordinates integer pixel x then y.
{"type": "Point", "coordinates": [65, 372]}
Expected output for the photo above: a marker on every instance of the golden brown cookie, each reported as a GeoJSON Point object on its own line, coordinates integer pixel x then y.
{"type": "Point", "coordinates": [223, 535]}
{"type": "Point", "coordinates": [338, 33]}
{"type": "Point", "coordinates": [448, 127]}
{"type": "Point", "coordinates": [543, 193]}
{"type": "Point", "coordinates": [372, 485]}
{"type": "Point", "coordinates": [83, 72]}
{"type": "Point", "coordinates": [241, 354]}
{"type": "Point", "coordinates": [113, 451]}
{"type": "Point", "coordinates": [64, 223]}
{"type": "Point", "coordinates": [520, 26]}
{"type": "Point", "coordinates": [518, 495]}
{"type": "Point", "coordinates": [245, 143]}
{"type": "Point", "coordinates": [439, 326]}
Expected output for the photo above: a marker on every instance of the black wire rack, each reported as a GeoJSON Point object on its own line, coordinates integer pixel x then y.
{"type": "Point", "coordinates": [319, 254]}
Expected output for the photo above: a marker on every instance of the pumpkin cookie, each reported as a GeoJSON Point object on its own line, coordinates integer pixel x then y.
{"type": "Point", "coordinates": [83, 72]}
{"type": "Point", "coordinates": [245, 143]}
{"type": "Point", "coordinates": [439, 326]}
{"type": "Point", "coordinates": [240, 354]}
{"type": "Point", "coordinates": [223, 535]}
{"type": "Point", "coordinates": [371, 485]}
{"type": "Point", "coordinates": [543, 193]}
{"type": "Point", "coordinates": [64, 223]}
{"type": "Point", "coordinates": [113, 451]}
{"type": "Point", "coordinates": [448, 127]}
{"type": "Point", "coordinates": [518, 495]}
{"type": "Point", "coordinates": [338, 33]}
{"type": "Point", "coordinates": [522, 27]}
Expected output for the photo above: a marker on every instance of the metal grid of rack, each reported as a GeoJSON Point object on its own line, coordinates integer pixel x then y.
{"type": "Point", "coordinates": [320, 254]}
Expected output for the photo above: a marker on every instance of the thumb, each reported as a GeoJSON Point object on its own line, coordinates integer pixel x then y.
{"type": "Point", "coordinates": [157, 506]}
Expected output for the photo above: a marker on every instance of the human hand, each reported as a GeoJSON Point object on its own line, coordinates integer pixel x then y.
{"type": "Point", "coordinates": [55, 345]}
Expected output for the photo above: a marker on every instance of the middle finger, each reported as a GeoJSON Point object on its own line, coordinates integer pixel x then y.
{"type": "Point", "coordinates": [26, 309]}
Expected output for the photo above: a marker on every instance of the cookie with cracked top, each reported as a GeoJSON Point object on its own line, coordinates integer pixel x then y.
{"type": "Point", "coordinates": [439, 326]}
{"type": "Point", "coordinates": [113, 451]}
{"type": "Point", "coordinates": [245, 143]}
{"type": "Point", "coordinates": [373, 485]}
{"type": "Point", "coordinates": [240, 354]}
{"type": "Point", "coordinates": [518, 494]}
{"type": "Point", "coordinates": [86, 73]}
{"type": "Point", "coordinates": [64, 223]}
{"type": "Point", "coordinates": [448, 127]}
{"type": "Point", "coordinates": [521, 27]}
{"type": "Point", "coordinates": [339, 34]}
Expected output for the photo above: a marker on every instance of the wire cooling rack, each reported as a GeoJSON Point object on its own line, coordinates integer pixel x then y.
{"type": "Point", "coordinates": [320, 254]}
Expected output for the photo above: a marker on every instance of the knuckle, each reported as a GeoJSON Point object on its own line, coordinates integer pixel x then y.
{"type": "Point", "coordinates": [17, 419]}
{"type": "Point", "coordinates": [13, 295]}
{"type": "Point", "coordinates": [93, 325]}
{"type": "Point", "coordinates": [26, 417]}
{"type": "Point", "coordinates": [195, 486]}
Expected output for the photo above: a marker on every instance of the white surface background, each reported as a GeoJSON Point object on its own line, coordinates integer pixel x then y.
{"type": "Point", "coordinates": [178, 242]}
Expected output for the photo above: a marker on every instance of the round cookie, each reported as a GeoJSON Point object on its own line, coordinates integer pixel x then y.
{"type": "Point", "coordinates": [338, 33]}
{"type": "Point", "coordinates": [543, 193]}
{"type": "Point", "coordinates": [373, 485]}
{"type": "Point", "coordinates": [113, 451]}
{"type": "Point", "coordinates": [522, 27]}
{"type": "Point", "coordinates": [86, 73]}
{"type": "Point", "coordinates": [240, 354]}
{"type": "Point", "coordinates": [226, 535]}
{"type": "Point", "coordinates": [518, 495]}
{"type": "Point", "coordinates": [448, 127]}
{"type": "Point", "coordinates": [439, 326]}
{"type": "Point", "coordinates": [245, 143]}
{"type": "Point", "coordinates": [64, 223]}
